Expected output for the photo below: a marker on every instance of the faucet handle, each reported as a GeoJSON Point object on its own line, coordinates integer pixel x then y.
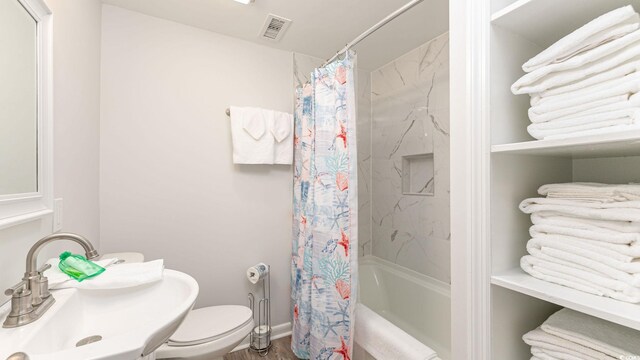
{"type": "Point", "coordinates": [15, 288]}
{"type": "Point", "coordinates": [44, 268]}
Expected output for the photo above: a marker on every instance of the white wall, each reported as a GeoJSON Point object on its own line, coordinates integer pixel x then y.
{"type": "Point", "coordinates": [76, 116]}
{"type": "Point", "coordinates": [168, 186]}
{"type": "Point", "coordinates": [410, 116]}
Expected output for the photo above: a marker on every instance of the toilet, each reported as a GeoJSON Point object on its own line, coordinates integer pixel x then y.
{"type": "Point", "coordinates": [207, 333]}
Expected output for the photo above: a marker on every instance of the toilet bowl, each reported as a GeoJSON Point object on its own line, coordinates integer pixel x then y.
{"type": "Point", "coordinates": [208, 333]}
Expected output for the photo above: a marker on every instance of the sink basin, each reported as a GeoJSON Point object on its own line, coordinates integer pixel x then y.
{"type": "Point", "coordinates": [127, 323]}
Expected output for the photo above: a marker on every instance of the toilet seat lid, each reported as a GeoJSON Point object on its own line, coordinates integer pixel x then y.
{"type": "Point", "coordinates": [210, 323]}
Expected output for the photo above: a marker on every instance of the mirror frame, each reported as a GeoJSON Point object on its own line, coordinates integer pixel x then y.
{"type": "Point", "coordinates": [19, 208]}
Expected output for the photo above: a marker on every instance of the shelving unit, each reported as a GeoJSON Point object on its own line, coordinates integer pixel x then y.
{"type": "Point", "coordinates": [608, 145]}
{"type": "Point", "coordinates": [615, 311]}
{"type": "Point", "coordinates": [518, 165]}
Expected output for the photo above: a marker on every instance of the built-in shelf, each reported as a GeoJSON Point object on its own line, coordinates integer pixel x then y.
{"type": "Point", "coordinates": [619, 312]}
{"type": "Point", "coordinates": [545, 21]}
{"type": "Point", "coordinates": [606, 145]}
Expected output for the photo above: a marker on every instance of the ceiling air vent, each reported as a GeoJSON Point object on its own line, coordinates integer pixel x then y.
{"type": "Point", "coordinates": [274, 28]}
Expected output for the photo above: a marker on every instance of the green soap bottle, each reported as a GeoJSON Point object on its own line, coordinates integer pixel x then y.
{"type": "Point", "coordinates": [78, 267]}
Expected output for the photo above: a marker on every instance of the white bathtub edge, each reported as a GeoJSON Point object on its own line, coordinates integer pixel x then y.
{"type": "Point", "coordinates": [423, 280]}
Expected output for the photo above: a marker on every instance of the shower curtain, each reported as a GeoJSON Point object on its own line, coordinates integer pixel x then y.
{"type": "Point", "coordinates": [324, 252]}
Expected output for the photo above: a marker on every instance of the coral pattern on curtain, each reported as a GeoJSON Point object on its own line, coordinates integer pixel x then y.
{"type": "Point", "coordinates": [324, 253]}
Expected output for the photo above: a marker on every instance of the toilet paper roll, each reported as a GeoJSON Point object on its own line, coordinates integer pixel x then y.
{"type": "Point", "coordinates": [261, 338]}
{"type": "Point", "coordinates": [257, 272]}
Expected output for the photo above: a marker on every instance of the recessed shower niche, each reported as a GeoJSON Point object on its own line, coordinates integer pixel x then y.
{"type": "Point", "coordinates": [418, 175]}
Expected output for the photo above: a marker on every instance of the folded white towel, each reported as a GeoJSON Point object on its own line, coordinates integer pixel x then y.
{"type": "Point", "coordinates": [612, 66]}
{"type": "Point", "coordinates": [559, 353]}
{"type": "Point", "coordinates": [580, 278]}
{"type": "Point", "coordinates": [585, 259]}
{"type": "Point", "coordinates": [559, 348]}
{"type": "Point", "coordinates": [607, 55]}
{"type": "Point", "coordinates": [580, 130]}
{"type": "Point", "coordinates": [249, 148]}
{"type": "Point", "coordinates": [614, 103]}
{"type": "Point", "coordinates": [571, 121]}
{"type": "Point", "coordinates": [599, 30]}
{"type": "Point", "coordinates": [587, 249]}
{"type": "Point", "coordinates": [605, 337]}
{"type": "Point", "coordinates": [616, 211]}
{"type": "Point", "coordinates": [592, 226]}
{"type": "Point", "coordinates": [560, 234]}
{"type": "Point", "coordinates": [281, 129]}
{"type": "Point", "coordinates": [562, 87]}
{"type": "Point", "coordinates": [383, 340]}
{"type": "Point", "coordinates": [626, 85]}
{"type": "Point", "coordinates": [571, 126]}
{"type": "Point", "coordinates": [115, 276]}
{"type": "Point", "coordinates": [591, 191]}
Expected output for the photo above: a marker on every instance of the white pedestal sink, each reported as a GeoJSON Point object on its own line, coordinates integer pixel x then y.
{"type": "Point", "coordinates": [130, 322]}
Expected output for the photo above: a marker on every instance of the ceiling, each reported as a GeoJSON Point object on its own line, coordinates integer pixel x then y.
{"type": "Point", "coordinates": [319, 27]}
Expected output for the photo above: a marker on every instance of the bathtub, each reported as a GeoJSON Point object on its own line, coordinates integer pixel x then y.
{"type": "Point", "coordinates": [417, 304]}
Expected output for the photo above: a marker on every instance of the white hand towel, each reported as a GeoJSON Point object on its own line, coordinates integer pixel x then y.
{"type": "Point", "coordinates": [590, 35]}
{"type": "Point", "coordinates": [591, 191]}
{"type": "Point", "coordinates": [614, 103]}
{"type": "Point", "coordinates": [610, 54]}
{"type": "Point", "coordinates": [253, 122]}
{"type": "Point", "coordinates": [115, 276]}
{"type": "Point", "coordinates": [592, 225]}
{"type": "Point", "coordinates": [249, 148]}
{"type": "Point", "coordinates": [603, 336]}
{"type": "Point", "coordinates": [559, 347]}
{"type": "Point", "coordinates": [579, 278]}
{"type": "Point", "coordinates": [282, 128]}
{"type": "Point", "coordinates": [56, 277]}
{"type": "Point", "coordinates": [617, 211]}
{"type": "Point", "coordinates": [384, 340]}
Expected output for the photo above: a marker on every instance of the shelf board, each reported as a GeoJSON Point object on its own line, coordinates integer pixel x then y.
{"type": "Point", "coordinates": [619, 312]}
{"type": "Point", "coordinates": [604, 145]}
{"type": "Point", "coordinates": [546, 21]}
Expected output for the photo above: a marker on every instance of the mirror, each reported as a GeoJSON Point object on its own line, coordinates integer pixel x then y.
{"type": "Point", "coordinates": [18, 100]}
{"type": "Point", "coordinates": [26, 121]}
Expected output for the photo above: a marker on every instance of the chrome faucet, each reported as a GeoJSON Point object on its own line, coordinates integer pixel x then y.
{"type": "Point", "coordinates": [30, 298]}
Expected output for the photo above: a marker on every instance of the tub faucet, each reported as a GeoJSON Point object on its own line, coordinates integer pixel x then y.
{"type": "Point", "coordinates": [30, 298]}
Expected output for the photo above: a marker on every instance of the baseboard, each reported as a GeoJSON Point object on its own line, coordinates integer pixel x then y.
{"type": "Point", "coordinates": [277, 332]}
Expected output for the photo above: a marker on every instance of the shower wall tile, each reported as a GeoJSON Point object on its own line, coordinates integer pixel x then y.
{"type": "Point", "coordinates": [303, 65]}
{"type": "Point", "coordinates": [410, 116]}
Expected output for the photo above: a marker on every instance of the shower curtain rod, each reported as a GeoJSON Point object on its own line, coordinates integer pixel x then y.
{"type": "Point", "coordinates": [375, 27]}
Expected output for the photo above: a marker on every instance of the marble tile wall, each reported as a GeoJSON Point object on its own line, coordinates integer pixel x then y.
{"type": "Point", "coordinates": [410, 116]}
{"type": "Point", "coordinates": [302, 67]}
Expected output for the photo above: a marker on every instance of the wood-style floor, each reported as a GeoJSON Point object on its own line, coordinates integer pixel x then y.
{"type": "Point", "coordinates": [280, 350]}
